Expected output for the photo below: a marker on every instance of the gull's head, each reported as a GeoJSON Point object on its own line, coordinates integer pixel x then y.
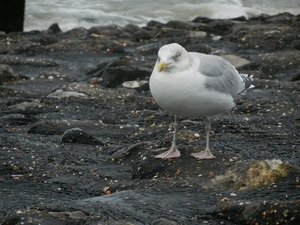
{"type": "Point", "coordinates": [172, 57]}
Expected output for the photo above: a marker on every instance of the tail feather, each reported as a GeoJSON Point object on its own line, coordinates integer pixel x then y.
{"type": "Point", "coordinates": [247, 82]}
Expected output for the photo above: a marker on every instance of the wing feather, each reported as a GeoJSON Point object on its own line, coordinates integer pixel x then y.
{"type": "Point", "coordinates": [220, 74]}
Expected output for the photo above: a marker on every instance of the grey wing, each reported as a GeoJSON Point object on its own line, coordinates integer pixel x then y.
{"type": "Point", "coordinates": [220, 74]}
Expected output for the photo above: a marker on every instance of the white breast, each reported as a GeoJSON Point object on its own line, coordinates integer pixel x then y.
{"type": "Point", "coordinates": [185, 95]}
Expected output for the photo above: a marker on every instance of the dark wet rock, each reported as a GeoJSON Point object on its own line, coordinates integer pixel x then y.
{"type": "Point", "coordinates": [155, 24]}
{"type": "Point", "coordinates": [123, 69]}
{"type": "Point", "coordinates": [97, 70]}
{"type": "Point", "coordinates": [15, 36]}
{"type": "Point", "coordinates": [218, 26]}
{"type": "Point", "coordinates": [221, 26]}
{"type": "Point", "coordinates": [35, 217]}
{"type": "Point", "coordinates": [145, 165]}
{"type": "Point", "coordinates": [48, 128]}
{"type": "Point", "coordinates": [77, 135]}
{"type": "Point", "coordinates": [258, 36]}
{"type": "Point", "coordinates": [201, 19]}
{"type": "Point", "coordinates": [163, 222]}
{"type": "Point", "coordinates": [265, 212]}
{"type": "Point", "coordinates": [296, 76]}
{"type": "Point", "coordinates": [131, 28]}
{"type": "Point", "coordinates": [127, 201]}
{"type": "Point", "coordinates": [45, 40]}
{"type": "Point", "coordinates": [13, 60]}
{"type": "Point", "coordinates": [76, 33]}
{"type": "Point", "coordinates": [16, 119]}
{"type": "Point", "coordinates": [147, 49]}
{"type": "Point", "coordinates": [115, 48]}
{"type": "Point", "coordinates": [171, 33]}
{"type": "Point", "coordinates": [13, 219]}
{"type": "Point", "coordinates": [203, 48]}
{"type": "Point", "coordinates": [54, 29]}
{"type": "Point", "coordinates": [295, 44]}
{"type": "Point", "coordinates": [276, 32]}
{"type": "Point", "coordinates": [141, 35]}
{"type": "Point", "coordinates": [121, 153]}
{"type": "Point", "coordinates": [25, 106]}
{"type": "Point", "coordinates": [283, 18]}
{"type": "Point", "coordinates": [187, 25]}
{"type": "Point", "coordinates": [7, 74]}
{"type": "Point", "coordinates": [76, 215]}
{"type": "Point", "coordinates": [108, 173]}
{"type": "Point", "coordinates": [107, 31]}
{"type": "Point", "coordinates": [279, 65]}
{"type": "Point", "coordinates": [65, 128]}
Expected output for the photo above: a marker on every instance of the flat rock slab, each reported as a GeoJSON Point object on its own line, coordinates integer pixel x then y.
{"type": "Point", "coordinates": [79, 128]}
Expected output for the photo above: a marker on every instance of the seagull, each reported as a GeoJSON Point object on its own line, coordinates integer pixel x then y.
{"type": "Point", "coordinates": [191, 84]}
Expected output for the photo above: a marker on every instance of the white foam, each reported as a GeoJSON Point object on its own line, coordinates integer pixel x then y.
{"type": "Point", "coordinates": [39, 15]}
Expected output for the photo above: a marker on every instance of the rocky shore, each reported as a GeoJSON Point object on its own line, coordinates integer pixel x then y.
{"type": "Point", "coordinates": [79, 127]}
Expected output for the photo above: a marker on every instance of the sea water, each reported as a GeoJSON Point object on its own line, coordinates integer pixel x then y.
{"type": "Point", "coordinates": [39, 15]}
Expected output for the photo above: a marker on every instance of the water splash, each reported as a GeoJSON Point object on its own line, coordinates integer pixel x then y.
{"type": "Point", "coordinates": [39, 15]}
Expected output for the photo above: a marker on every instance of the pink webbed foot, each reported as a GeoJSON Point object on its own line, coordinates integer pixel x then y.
{"type": "Point", "coordinates": [172, 153]}
{"type": "Point", "coordinates": [206, 154]}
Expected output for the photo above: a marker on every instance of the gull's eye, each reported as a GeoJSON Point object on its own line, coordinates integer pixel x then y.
{"type": "Point", "coordinates": [158, 59]}
{"type": "Point", "coordinates": [176, 57]}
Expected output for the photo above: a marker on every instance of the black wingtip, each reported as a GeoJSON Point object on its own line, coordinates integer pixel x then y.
{"type": "Point", "coordinates": [247, 80]}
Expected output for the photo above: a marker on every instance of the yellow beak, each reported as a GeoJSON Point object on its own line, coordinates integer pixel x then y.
{"type": "Point", "coordinates": [162, 65]}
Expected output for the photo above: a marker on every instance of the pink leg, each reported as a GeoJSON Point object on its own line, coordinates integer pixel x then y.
{"type": "Point", "coordinates": [173, 152]}
{"type": "Point", "coordinates": [206, 154]}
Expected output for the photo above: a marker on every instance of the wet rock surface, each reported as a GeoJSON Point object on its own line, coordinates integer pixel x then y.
{"type": "Point", "coordinates": [79, 127]}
